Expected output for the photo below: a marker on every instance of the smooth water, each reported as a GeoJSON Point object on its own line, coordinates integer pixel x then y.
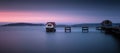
{"type": "Point", "coordinates": [34, 39]}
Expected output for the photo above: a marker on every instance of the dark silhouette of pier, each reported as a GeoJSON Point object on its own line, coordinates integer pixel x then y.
{"type": "Point", "coordinates": [106, 26]}
{"type": "Point", "coordinates": [109, 29]}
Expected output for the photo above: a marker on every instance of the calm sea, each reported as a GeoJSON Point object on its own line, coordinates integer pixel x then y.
{"type": "Point", "coordinates": [34, 39]}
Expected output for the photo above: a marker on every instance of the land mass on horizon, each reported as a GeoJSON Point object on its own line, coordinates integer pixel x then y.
{"type": "Point", "coordinates": [58, 25]}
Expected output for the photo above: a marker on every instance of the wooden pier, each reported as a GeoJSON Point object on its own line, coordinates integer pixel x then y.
{"type": "Point", "coordinates": [67, 29]}
{"type": "Point", "coordinates": [85, 29]}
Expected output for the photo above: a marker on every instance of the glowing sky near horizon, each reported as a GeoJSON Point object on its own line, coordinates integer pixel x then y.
{"type": "Point", "coordinates": [60, 11]}
{"type": "Point", "coordinates": [39, 17]}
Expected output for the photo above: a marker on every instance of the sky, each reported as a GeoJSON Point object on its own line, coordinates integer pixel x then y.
{"type": "Point", "coordinates": [59, 11]}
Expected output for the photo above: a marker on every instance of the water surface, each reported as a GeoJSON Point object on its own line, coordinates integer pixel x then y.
{"type": "Point", "coordinates": [34, 39]}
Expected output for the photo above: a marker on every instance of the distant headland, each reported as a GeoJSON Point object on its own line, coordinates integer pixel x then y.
{"type": "Point", "coordinates": [58, 25]}
{"type": "Point", "coordinates": [23, 24]}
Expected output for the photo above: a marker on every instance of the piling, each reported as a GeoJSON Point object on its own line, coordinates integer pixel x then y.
{"type": "Point", "coordinates": [98, 28]}
{"type": "Point", "coordinates": [67, 29]}
{"type": "Point", "coordinates": [85, 29]}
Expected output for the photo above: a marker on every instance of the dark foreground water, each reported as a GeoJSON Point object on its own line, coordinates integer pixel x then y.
{"type": "Point", "coordinates": [34, 39]}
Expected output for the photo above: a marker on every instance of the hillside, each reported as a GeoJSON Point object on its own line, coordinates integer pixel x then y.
{"type": "Point", "coordinates": [23, 24]}
{"type": "Point", "coordinates": [59, 25]}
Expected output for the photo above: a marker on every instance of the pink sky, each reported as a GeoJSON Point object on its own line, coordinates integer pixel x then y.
{"type": "Point", "coordinates": [41, 17]}
{"type": "Point", "coordinates": [59, 11]}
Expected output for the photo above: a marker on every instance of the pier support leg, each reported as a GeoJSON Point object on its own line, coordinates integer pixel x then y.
{"type": "Point", "coordinates": [85, 29]}
{"type": "Point", "coordinates": [67, 29]}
